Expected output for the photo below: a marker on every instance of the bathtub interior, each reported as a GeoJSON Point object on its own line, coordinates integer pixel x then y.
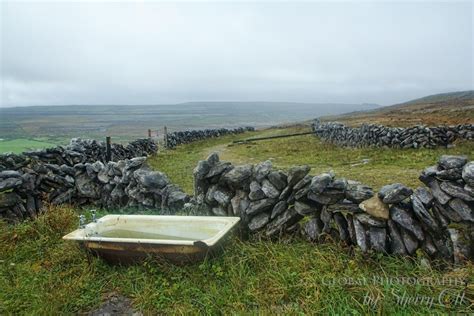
{"type": "Point", "coordinates": [156, 229]}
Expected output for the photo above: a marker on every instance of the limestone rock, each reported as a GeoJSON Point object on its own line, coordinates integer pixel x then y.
{"type": "Point", "coordinates": [342, 226]}
{"type": "Point", "coordinates": [8, 199]}
{"type": "Point", "coordinates": [456, 190]}
{"type": "Point", "coordinates": [405, 220]}
{"type": "Point", "coordinates": [151, 179]}
{"type": "Point", "coordinates": [259, 206]}
{"type": "Point", "coordinates": [240, 203]}
{"type": "Point", "coordinates": [9, 174]}
{"type": "Point", "coordinates": [201, 169]}
{"type": "Point", "coordinates": [320, 183]}
{"type": "Point", "coordinates": [238, 176]}
{"type": "Point", "coordinates": [378, 239]}
{"type": "Point", "coordinates": [262, 170]}
{"type": "Point", "coordinates": [218, 168]}
{"type": "Point", "coordinates": [313, 228]}
{"type": "Point", "coordinates": [278, 179]}
{"type": "Point", "coordinates": [410, 242]}
{"type": "Point", "coordinates": [256, 192]}
{"type": "Point", "coordinates": [282, 221]}
{"type": "Point", "coordinates": [394, 193]}
{"type": "Point", "coordinates": [259, 221]}
{"type": "Point", "coordinates": [303, 208]}
{"type": "Point", "coordinates": [358, 192]}
{"type": "Point", "coordinates": [209, 198]}
{"type": "Point", "coordinates": [361, 236]}
{"type": "Point", "coordinates": [269, 190]}
{"type": "Point", "coordinates": [450, 162]}
{"type": "Point", "coordinates": [468, 173]}
{"type": "Point", "coordinates": [279, 208]}
{"type": "Point", "coordinates": [295, 174]}
{"type": "Point", "coordinates": [369, 220]}
{"type": "Point", "coordinates": [219, 211]}
{"type": "Point", "coordinates": [396, 241]}
{"type": "Point", "coordinates": [465, 211]}
{"type": "Point", "coordinates": [222, 197]}
{"type": "Point", "coordinates": [423, 214]}
{"type": "Point", "coordinates": [303, 182]}
{"type": "Point", "coordinates": [447, 212]}
{"type": "Point", "coordinates": [327, 197]}
{"type": "Point", "coordinates": [86, 187]}
{"type": "Point", "coordinates": [439, 194]}
{"type": "Point", "coordinates": [424, 195]}
{"type": "Point", "coordinates": [375, 207]}
{"type": "Point", "coordinates": [212, 159]}
{"type": "Point", "coordinates": [10, 183]}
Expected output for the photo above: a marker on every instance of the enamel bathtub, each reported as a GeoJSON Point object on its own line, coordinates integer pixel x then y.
{"type": "Point", "coordinates": [125, 239]}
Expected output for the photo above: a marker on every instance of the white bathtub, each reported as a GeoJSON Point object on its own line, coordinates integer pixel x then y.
{"type": "Point", "coordinates": [128, 238]}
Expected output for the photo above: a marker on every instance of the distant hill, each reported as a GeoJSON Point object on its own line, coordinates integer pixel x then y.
{"type": "Point", "coordinates": [443, 97]}
{"type": "Point", "coordinates": [323, 108]}
{"type": "Point", "coordinates": [438, 109]}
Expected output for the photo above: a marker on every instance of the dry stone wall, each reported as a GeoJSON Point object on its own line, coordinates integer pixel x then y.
{"type": "Point", "coordinates": [183, 137]}
{"type": "Point", "coordinates": [394, 137]}
{"type": "Point", "coordinates": [78, 174]}
{"type": "Point", "coordinates": [79, 151]}
{"type": "Point", "coordinates": [125, 183]}
{"type": "Point", "coordinates": [438, 219]}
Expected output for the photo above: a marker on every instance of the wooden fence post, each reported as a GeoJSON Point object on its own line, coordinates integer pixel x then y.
{"type": "Point", "coordinates": [166, 136]}
{"type": "Point", "coordinates": [108, 149]}
{"type": "Point", "coordinates": [149, 133]}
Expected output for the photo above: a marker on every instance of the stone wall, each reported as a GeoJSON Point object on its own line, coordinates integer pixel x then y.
{"type": "Point", "coordinates": [396, 137]}
{"type": "Point", "coordinates": [125, 183]}
{"type": "Point", "coordinates": [78, 174]}
{"type": "Point", "coordinates": [438, 219]}
{"type": "Point", "coordinates": [183, 137]}
{"type": "Point", "coordinates": [79, 151]}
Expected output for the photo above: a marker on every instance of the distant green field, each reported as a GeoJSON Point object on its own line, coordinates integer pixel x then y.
{"type": "Point", "coordinates": [20, 145]}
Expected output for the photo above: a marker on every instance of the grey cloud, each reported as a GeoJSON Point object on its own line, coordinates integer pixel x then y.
{"type": "Point", "coordinates": [151, 53]}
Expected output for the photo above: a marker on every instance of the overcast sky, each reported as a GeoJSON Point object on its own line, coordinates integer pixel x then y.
{"type": "Point", "coordinates": [151, 53]}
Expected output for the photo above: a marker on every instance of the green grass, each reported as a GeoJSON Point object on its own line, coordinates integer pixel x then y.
{"type": "Point", "coordinates": [20, 145]}
{"type": "Point", "coordinates": [41, 274]}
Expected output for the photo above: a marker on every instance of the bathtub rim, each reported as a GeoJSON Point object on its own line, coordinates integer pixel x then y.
{"type": "Point", "coordinates": [78, 234]}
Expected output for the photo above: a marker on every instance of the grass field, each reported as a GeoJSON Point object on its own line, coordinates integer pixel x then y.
{"type": "Point", "coordinates": [41, 274]}
{"type": "Point", "coordinates": [384, 166]}
{"type": "Point", "coordinates": [20, 145]}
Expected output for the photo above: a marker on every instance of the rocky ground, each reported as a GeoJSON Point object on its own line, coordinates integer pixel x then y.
{"type": "Point", "coordinates": [115, 304]}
